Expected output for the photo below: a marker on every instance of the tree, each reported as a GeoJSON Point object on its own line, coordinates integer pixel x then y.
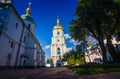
{"type": "Point", "coordinates": [48, 61]}
{"type": "Point", "coordinates": [97, 17]}
{"type": "Point", "coordinates": [73, 57]}
{"type": "Point", "coordinates": [69, 57]}
{"type": "Point", "coordinates": [66, 56]}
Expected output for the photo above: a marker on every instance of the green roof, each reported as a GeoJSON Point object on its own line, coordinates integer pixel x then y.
{"type": "Point", "coordinates": [27, 17]}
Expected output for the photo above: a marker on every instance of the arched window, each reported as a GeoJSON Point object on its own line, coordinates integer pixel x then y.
{"type": "Point", "coordinates": [58, 33]}
{"type": "Point", "coordinates": [58, 40]}
{"type": "Point", "coordinates": [58, 50]}
{"type": "Point", "coordinates": [24, 39]}
{"type": "Point", "coordinates": [29, 26]}
{"type": "Point", "coordinates": [16, 25]}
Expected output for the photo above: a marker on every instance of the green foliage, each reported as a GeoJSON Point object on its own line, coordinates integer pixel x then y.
{"type": "Point", "coordinates": [79, 48]}
{"type": "Point", "coordinates": [95, 68]}
{"type": "Point", "coordinates": [87, 71]}
{"type": "Point", "coordinates": [74, 57]}
{"type": "Point", "coordinates": [48, 61]}
{"type": "Point", "coordinates": [93, 16]}
{"type": "Point", "coordinates": [99, 17]}
{"type": "Point", "coordinates": [117, 1]}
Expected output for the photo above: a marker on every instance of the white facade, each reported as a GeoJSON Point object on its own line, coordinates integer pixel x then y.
{"type": "Point", "coordinates": [94, 55]}
{"type": "Point", "coordinates": [18, 44]}
{"type": "Point", "coordinates": [10, 32]}
{"type": "Point", "coordinates": [58, 46]}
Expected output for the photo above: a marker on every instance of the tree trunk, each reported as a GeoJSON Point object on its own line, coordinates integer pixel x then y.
{"type": "Point", "coordinates": [112, 51]}
{"type": "Point", "coordinates": [84, 59]}
{"type": "Point", "coordinates": [103, 48]}
{"type": "Point", "coordinates": [101, 41]}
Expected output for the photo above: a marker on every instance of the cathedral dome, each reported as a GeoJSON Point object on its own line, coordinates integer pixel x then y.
{"type": "Point", "coordinates": [28, 10]}
{"type": "Point", "coordinates": [58, 26]}
{"type": "Point", "coordinates": [27, 17]}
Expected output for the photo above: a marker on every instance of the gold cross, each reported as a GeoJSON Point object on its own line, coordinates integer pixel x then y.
{"type": "Point", "coordinates": [29, 4]}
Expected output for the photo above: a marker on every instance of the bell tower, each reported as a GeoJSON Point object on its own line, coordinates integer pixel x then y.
{"type": "Point", "coordinates": [58, 46]}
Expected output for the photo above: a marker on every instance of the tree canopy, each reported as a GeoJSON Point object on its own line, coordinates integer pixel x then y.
{"type": "Point", "coordinates": [100, 17]}
{"type": "Point", "coordinates": [95, 16]}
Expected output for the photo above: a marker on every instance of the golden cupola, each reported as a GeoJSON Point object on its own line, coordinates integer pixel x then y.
{"type": "Point", "coordinates": [58, 26]}
{"type": "Point", "coordinates": [27, 16]}
{"type": "Point", "coordinates": [28, 10]}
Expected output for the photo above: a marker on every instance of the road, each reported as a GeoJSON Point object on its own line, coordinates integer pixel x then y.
{"type": "Point", "coordinates": [52, 73]}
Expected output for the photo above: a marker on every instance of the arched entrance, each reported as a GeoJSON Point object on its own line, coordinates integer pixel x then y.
{"type": "Point", "coordinates": [59, 62]}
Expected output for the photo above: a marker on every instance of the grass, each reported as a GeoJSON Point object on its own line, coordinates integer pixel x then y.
{"type": "Point", "coordinates": [87, 71]}
{"type": "Point", "coordinates": [95, 69]}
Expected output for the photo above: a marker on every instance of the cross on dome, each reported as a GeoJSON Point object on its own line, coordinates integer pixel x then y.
{"type": "Point", "coordinates": [29, 4]}
{"type": "Point", "coordinates": [28, 10]}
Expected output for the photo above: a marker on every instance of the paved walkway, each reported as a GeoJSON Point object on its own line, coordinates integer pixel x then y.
{"type": "Point", "coordinates": [52, 73]}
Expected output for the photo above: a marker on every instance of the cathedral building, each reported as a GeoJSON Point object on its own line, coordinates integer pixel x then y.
{"type": "Point", "coordinates": [18, 44]}
{"type": "Point", "coordinates": [94, 53]}
{"type": "Point", "coordinates": [58, 46]}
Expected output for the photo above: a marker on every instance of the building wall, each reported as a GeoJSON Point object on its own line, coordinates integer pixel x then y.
{"type": "Point", "coordinates": [94, 55]}
{"type": "Point", "coordinates": [31, 26]}
{"type": "Point", "coordinates": [40, 57]}
{"type": "Point", "coordinates": [18, 42]}
{"type": "Point", "coordinates": [10, 38]}
{"type": "Point", "coordinates": [21, 52]}
{"type": "Point", "coordinates": [30, 60]}
{"type": "Point", "coordinates": [61, 32]}
{"type": "Point", "coordinates": [14, 27]}
{"type": "Point", "coordinates": [4, 50]}
{"type": "Point", "coordinates": [32, 49]}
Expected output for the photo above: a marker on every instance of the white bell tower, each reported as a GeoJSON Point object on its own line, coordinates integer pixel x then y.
{"type": "Point", "coordinates": [58, 46]}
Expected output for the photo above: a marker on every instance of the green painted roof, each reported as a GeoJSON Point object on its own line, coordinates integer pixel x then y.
{"type": "Point", "coordinates": [27, 17]}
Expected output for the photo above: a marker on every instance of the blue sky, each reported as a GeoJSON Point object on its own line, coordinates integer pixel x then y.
{"type": "Point", "coordinates": [44, 13]}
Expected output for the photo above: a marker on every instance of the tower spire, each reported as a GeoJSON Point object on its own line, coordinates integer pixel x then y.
{"type": "Point", "coordinates": [58, 20]}
{"type": "Point", "coordinates": [28, 10]}
{"type": "Point", "coordinates": [58, 26]}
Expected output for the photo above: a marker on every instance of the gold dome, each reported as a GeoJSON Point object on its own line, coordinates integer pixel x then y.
{"type": "Point", "coordinates": [28, 10]}
{"type": "Point", "coordinates": [58, 26]}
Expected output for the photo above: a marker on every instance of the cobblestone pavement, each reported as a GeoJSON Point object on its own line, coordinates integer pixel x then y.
{"type": "Point", "coordinates": [52, 73]}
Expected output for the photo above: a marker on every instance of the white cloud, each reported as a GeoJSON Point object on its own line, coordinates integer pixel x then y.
{"type": "Point", "coordinates": [47, 47]}
{"type": "Point", "coordinates": [68, 49]}
{"type": "Point", "coordinates": [74, 42]}
{"type": "Point", "coordinates": [67, 36]}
